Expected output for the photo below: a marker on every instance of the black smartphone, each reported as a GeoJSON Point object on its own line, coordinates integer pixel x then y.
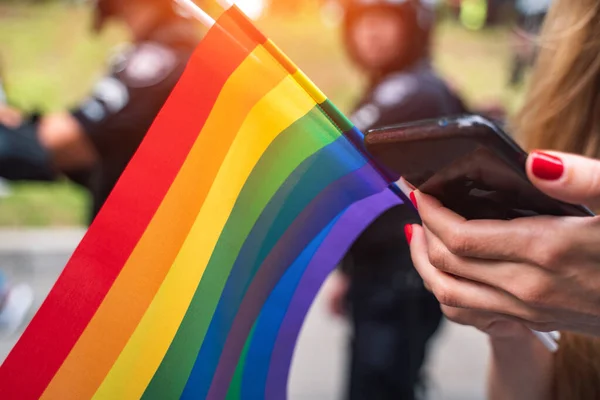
{"type": "Point", "coordinates": [468, 163]}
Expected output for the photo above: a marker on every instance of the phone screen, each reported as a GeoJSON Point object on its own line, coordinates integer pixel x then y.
{"type": "Point", "coordinates": [481, 185]}
{"type": "Point", "coordinates": [468, 164]}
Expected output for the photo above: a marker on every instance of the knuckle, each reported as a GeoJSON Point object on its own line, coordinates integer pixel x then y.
{"type": "Point", "coordinates": [551, 253]}
{"type": "Point", "coordinates": [445, 295]}
{"type": "Point", "coordinates": [455, 315]}
{"type": "Point", "coordinates": [537, 292]}
{"type": "Point", "coordinates": [534, 293]}
{"type": "Point", "coordinates": [439, 258]}
{"type": "Point", "coordinates": [458, 243]}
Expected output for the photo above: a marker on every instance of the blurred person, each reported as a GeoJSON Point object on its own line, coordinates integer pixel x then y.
{"type": "Point", "coordinates": [4, 119]}
{"type": "Point", "coordinates": [454, 7]}
{"type": "Point", "coordinates": [8, 116]}
{"type": "Point", "coordinates": [393, 316]}
{"type": "Point", "coordinates": [93, 143]}
{"type": "Point", "coordinates": [530, 17]}
{"type": "Point", "coordinates": [542, 273]}
{"type": "Point", "coordinates": [497, 10]}
{"type": "Point", "coordinates": [15, 302]}
{"type": "Point", "coordinates": [15, 299]}
{"type": "Point", "coordinates": [21, 155]}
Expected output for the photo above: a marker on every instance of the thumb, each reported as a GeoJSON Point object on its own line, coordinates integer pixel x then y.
{"type": "Point", "coordinates": [567, 177]}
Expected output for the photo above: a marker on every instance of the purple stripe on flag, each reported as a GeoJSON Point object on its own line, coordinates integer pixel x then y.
{"type": "Point", "coordinates": [354, 221]}
{"type": "Point", "coordinates": [331, 202]}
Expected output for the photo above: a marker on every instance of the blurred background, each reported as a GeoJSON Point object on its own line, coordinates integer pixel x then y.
{"type": "Point", "coordinates": [49, 60]}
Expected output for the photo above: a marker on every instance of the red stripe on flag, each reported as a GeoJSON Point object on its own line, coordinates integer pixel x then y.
{"type": "Point", "coordinates": [98, 260]}
{"type": "Point", "coordinates": [252, 31]}
{"type": "Point", "coordinates": [244, 23]}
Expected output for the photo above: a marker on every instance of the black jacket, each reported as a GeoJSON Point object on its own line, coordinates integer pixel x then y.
{"type": "Point", "coordinates": [381, 253]}
{"type": "Point", "coordinates": [125, 102]}
{"type": "Point", "coordinates": [393, 316]}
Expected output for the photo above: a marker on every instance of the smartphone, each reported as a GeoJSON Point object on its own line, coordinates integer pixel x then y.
{"type": "Point", "coordinates": [468, 163]}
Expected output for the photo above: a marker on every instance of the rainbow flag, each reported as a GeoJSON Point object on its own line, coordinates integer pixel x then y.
{"type": "Point", "coordinates": [195, 278]}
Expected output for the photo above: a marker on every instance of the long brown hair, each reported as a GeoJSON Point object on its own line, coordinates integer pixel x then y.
{"type": "Point", "coordinates": [562, 108]}
{"type": "Point", "coordinates": [562, 112]}
{"type": "Point", "coordinates": [577, 368]}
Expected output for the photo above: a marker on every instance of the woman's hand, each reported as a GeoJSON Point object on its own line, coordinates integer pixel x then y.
{"type": "Point", "coordinates": [541, 272]}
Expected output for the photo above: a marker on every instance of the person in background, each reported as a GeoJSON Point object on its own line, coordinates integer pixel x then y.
{"type": "Point", "coordinates": [15, 299]}
{"type": "Point", "coordinates": [541, 273]}
{"type": "Point", "coordinates": [15, 302]}
{"type": "Point", "coordinates": [93, 143]}
{"type": "Point", "coordinates": [3, 106]}
{"type": "Point", "coordinates": [530, 17]}
{"type": "Point", "coordinates": [8, 116]}
{"type": "Point", "coordinates": [393, 316]}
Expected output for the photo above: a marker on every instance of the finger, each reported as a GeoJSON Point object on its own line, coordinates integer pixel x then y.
{"type": "Point", "coordinates": [524, 281]}
{"type": "Point", "coordinates": [567, 177]}
{"type": "Point", "coordinates": [485, 239]}
{"type": "Point", "coordinates": [405, 186]}
{"type": "Point", "coordinates": [455, 292]}
{"type": "Point", "coordinates": [531, 284]}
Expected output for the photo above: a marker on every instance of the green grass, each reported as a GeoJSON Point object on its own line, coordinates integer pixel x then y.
{"type": "Point", "coordinates": [50, 61]}
{"type": "Point", "coordinates": [43, 205]}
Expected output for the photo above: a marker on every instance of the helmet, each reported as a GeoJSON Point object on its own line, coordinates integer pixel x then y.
{"type": "Point", "coordinates": [418, 16]}
{"type": "Point", "coordinates": [423, 10]}
{"type": "Point", "coordinates": [106, 9]}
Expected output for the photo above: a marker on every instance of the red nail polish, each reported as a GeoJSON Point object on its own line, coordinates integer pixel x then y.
{"type": "Point", "coordinates": [547, 167]}
{"type": "Point", "coordinates": [408, 231]}
{"type": "Point", "coordinates": [413, 198]}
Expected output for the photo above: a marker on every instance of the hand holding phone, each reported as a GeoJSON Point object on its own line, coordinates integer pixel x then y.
{"type": "Point", "coordinates": [472, 167]}
{"type": "Point", "coordinates": [469, 164]}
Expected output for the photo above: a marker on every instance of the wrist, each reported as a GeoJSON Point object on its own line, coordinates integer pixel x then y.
{"type": "Point", "coordinates": [521, 368]}
{"type": "Point", "coordinates": [524, 346]}
{"type": "Point", "coordinates": [515, 339]}
{"type": "Point", "coordinates": [509, 332]}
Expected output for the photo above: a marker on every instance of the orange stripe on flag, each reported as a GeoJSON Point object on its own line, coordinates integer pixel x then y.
{"type": "Point", "coordinates": [118, 316]}
{"type": "Point", "coordinates": [47, 341]}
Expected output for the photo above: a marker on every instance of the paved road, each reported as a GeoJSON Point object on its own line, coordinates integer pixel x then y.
{"type": "Point", "coordinates": [456, 366]}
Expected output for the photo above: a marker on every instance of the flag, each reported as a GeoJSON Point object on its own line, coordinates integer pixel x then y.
{"type": "Point", "coordinates": [194, 279]}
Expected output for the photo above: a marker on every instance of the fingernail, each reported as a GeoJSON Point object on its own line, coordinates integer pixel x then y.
{"type": "Point", "coordinates": [413, 198]}
{"type": "Point", "coordinates": [408, 231]}
{"type": "Point", "coordinates": [547, 167]}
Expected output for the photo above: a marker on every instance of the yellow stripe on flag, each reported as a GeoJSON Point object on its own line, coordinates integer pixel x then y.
{"type": "Point", "coordinates": [145, 350]}
{"type": "Point", "coordinates": [310, 87]}
{"type": "Point", "coordinates": [117, 317]}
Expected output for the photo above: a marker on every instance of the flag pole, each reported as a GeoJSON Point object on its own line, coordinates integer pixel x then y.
{"type": "Point", "coordinates": [226, 4]}
{"type": "Point", "coordinates": [195, 11]}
